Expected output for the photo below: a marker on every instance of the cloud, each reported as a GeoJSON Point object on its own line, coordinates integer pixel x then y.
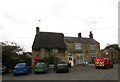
{"type": "Point", "coordinates": [114, 4]}
{"type": "Point", "coordinates": [1, 27]}
{"type": "Point", "coordinates": [14, 18]}
{"type": "Point", "coordinates": [60, 7]}
{"type": "Point", "coordinates": [19, 19]}
{"type": "Point", "coordinates": [90, 21]}
{"type": "Point", "coordinates": [10, 17]}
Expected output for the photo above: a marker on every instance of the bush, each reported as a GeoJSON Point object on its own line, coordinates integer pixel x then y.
{"type": "Point", "coordinates": [51, 58]}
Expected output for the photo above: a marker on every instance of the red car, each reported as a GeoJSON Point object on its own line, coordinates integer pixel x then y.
{"type": "Point", "coordinates": [103, 63]}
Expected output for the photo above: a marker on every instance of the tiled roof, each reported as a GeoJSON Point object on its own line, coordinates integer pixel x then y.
{"type": "Point", "coordinates": [91, 41]}
{"type": "Point", "coordinates": [80, 40]}
{"type": "Point", "coordinates": [74, 39]}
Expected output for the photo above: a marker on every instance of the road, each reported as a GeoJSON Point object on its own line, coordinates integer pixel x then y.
{"type": "Point", "coordinates": [78, 72]}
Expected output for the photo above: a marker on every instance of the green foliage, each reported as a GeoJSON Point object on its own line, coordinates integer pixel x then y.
{"type": "Point", "coordinates": [10, 56]}
{"type": "Point", "coordinates": [114, 46]}
{"type": "Point", "coordinates": [50, 58]}
{"type": "Point", "coordinates": [113, 49]}
{"type": "Point", "coordinates": [24, 58]}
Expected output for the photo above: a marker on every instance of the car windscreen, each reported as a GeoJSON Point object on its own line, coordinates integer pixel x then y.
{"type": "Point", "coordinates": [21, 64]}
{"type": "Point", "coordinates": [40, 65]}
{"type": "Point", "coordinates": [62, 64]}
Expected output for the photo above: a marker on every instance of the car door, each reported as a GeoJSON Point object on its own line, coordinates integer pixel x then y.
{"type": "Point", "coordinates": [28, 68]}
{"type": "Point", "coordinates": [45, 67]}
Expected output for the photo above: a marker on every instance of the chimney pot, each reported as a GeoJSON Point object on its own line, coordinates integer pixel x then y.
{"type": "Point", "coordinates": [91, 35]}
{"type": "Point", "coordinates": [79, 34]}
{"type": "Point", "coordinates": [37, 30]}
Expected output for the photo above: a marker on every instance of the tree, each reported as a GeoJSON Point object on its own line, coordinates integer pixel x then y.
{"type": "Point", "coordinates": [25, 58]}
{"type": "Point", "coordinates": [50, 58]}
{"type": "Point", "coordinates": [114, 46]}
{"type": "Point", "coordinates": [10, 54]}
{"type": "Point", "coordinates": [115, 51]}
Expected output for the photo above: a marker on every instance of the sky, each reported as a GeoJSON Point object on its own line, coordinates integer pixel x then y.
{"type": "Point", "coordinates": [19, 19]}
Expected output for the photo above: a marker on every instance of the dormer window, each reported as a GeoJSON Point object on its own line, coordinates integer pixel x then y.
{"type": "Point", "coordinates": [54, 50]}
{"type": "Point", "coordinates": [42, 50]}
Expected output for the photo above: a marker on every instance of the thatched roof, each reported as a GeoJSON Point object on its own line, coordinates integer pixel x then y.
{"type": "Point", "coordinates": [49, 40]}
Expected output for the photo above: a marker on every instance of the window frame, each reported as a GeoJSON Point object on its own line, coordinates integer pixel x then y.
{"type": "Point", "coordinates": [78, 46]}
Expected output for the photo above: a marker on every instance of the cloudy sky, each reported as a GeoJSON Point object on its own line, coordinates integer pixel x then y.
{"type": "Point", "coordinates": [19, 19]}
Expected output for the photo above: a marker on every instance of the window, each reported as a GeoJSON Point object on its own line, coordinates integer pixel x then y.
{"type": "Point", "coordinates": [92, 47]}
{"type": "Point", "coordinates": [93, 55]}
{"type": "Point", "coordinates": [77, 46]}
{"type": "Point", "coordinates": [55, 50]}
{"type": "Point", "coordinates": [42, 50]}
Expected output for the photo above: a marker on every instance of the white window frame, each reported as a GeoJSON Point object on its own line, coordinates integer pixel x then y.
{"type": "Point", "coordinates": [93, 55]}
{"type": "Point", "coordinates": [55, 50]}
{"type": "Point", "coordinates": [42, 50]}
{"type": "Point", "coordinates": [92, 47]}
{"type": "Point", "coordinates": [78, 46]}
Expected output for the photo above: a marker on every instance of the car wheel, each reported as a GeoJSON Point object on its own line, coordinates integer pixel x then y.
{"type": "Point", "coordinates": [56, 71]}
{"type": "Point", "coordinates": [97, 67]}
{"type": "Point", "coordinates": [107, 67]}
{"type": "Point", "coordinates": [112, 66]}
{"type": "Point", "coordinates": [46, 72]}
{"type": "Point", "coordinates": [14, 74]}
{"type": "Point", "coordinates": [67, 71]}
{"type": "Point", "coordinates": [27, 73]}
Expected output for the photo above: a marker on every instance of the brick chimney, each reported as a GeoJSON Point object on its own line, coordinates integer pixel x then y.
{"type": "Point", "coordinates": [79, 35]}
{"type": "Point", "coordinates": [37, 30]}
{"type": "Point", "coordinates": [91, 35]}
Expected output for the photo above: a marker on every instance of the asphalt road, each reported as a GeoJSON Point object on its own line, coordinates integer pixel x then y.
{"type": "Point", "coordinates": [88, 72]}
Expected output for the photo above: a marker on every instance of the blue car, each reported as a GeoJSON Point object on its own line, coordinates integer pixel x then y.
{"type": "Point", "coordinates": [21, 68]}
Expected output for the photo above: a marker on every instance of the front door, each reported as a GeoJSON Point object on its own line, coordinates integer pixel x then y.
{"type": "Point", "coordinates": [71, 60]}
{"type": "Point", "coordinates": [80, 58]}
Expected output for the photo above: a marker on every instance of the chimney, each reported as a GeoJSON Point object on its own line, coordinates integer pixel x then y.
{"type": "Point", "coordinates": [79, 34]}
{"type": "Point", "coordinates": [37, 30]}
{"type": "Point", "coordinates": [91, 35]}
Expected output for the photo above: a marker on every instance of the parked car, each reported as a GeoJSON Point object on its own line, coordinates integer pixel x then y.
{"type": "Point", "coordinates": [84, 63]}
{"type": "Point", "coordinates": [3, 69]}
{"type": "Point", "coordinates": [21, 68]}
{"type": "Point", "coordinates": [103, 63]}
{"type": "Point", "coordinates": [51, 66]}
{"type": "Point", "coordinates": [61, 67]}
{"type": "Point", "coordinates": [41, 67]}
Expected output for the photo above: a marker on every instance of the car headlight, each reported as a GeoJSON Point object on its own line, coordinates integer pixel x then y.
{"type": "Point", "coordinates": [4, 67]}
